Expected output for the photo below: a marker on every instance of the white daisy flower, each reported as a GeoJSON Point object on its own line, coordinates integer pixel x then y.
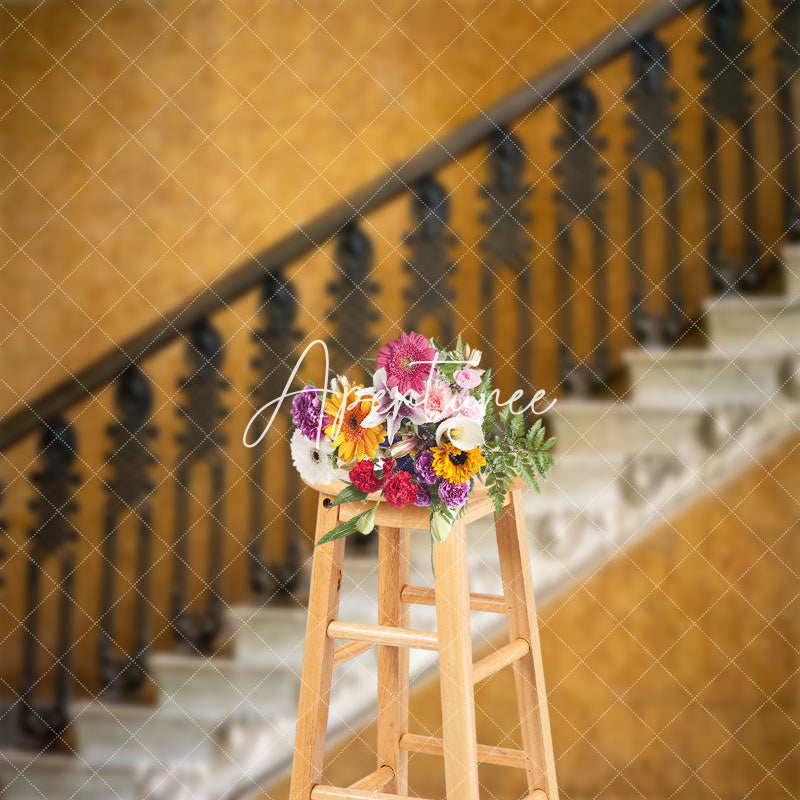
{"type": "Point", "coordinates": [312, 462]}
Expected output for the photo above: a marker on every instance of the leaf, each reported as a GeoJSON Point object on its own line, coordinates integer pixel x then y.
{"type": "Point", "coordinates": [348, 494]}
{"type": "Point", "coordinates": [343, 529]}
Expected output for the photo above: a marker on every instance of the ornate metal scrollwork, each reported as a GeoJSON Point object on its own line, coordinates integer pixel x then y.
{"type": "Point", "coordinates": [353, 310]}
{"type": "Point", "coordinates": [3, 533]}
{"type": "Point", "coordinates": [653, 148]}
{"type": "Point", "coordinates": [200, 441]}
{"type": "Point", "coordinates": [51, 537]}
{"type": "Point", "coordinates": [728, 100]}
{"type": "Point", "coordinates": [276, 341]}
{"type": "Point", "coordinates": [128, 496]}
{"type": "Point", "coordinates": [581, 195]}
{"type": "Point", "coordinates": [787, 53]}
{"type": "Point", "coordinates": [429, 296]}
{"type": "Point", "coordinates": [507, 243]}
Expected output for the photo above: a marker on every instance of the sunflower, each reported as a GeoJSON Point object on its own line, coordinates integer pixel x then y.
{"type": "Point", "coordinates": [344, 429]}
{"type": "Point", "coordinates": [454, 465]}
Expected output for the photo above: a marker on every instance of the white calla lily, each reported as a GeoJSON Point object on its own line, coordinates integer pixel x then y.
{"type": "Point", "coordinates": [440, 528]}
{"type": "Point", "coordinates": [462, 432]}
{"type": "Point", "coordinates": [473, 359]}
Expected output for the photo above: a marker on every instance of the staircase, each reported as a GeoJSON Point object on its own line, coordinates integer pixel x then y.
{"type": "Point", "coordinates": [223, 726]}
{"type": "Point", "coordinates": [179, 677]}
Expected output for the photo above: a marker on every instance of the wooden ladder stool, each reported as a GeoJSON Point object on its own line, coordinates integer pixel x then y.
{"type": "Point", "coordinates": [453, 641]}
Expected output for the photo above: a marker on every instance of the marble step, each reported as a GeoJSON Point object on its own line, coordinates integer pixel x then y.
{"type": "Point", "coordinates": [117, 733]}
{"type": "Point", "coordinates": [34, 776]}
{"type": "Point", "coordinates": [611, 429]}
{"type": "Point", "coordinates": [577, 480]}
{"type": "Point", "coordinates": [790, 257]}
{"type": "Point", "coordinates": [272, 634]}
{"type": "Point", "coordinates": [706, 377]}
{"type": "Point", "coordinates": [736, 324]}
{"type": "Point", "coordinates": [225, 688]}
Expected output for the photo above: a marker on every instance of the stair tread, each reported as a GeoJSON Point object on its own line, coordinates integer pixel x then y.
{"type": "Point", "coordinates": [753, 303]}
{"type": "Point", "coordinates": [709, 354]}
{"type": "Point", "coordinates": [138, 713]}
{"type": "Point", "coordinates": [56, 762]}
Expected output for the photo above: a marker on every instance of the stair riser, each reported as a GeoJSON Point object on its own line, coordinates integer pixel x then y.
{"type": "Point", "coordinates": [223, 693]}
{"type": "Point", "coordinates": [711, 380]}
{"type": "Point", "coordinates": [577, 482]}
{"type": "Point", "coordinates": [270, 635]}
{"type": "Point", "coordinates": [733, 327]}
{"type": "Point", "coordinates": [161, 740]}
{"type": "Point", "coordinates": [632, 431]}
{"type": "Point", "coordinates": [790, 256]}
{"type": "Point", "coordinates": [39, 783]}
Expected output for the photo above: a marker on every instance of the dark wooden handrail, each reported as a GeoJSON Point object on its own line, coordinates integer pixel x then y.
{"type": "Point", "coordinates": [470, 133]}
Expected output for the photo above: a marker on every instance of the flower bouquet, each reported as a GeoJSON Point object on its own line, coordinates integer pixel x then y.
{"type": "Point", "coordinates": [423, 434]}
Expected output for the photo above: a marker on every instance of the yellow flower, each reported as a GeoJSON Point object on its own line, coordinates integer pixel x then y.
{"type": "Point", "coordinates": [347, 411]}
{"type": "Point", "coordinates": [456, 466]}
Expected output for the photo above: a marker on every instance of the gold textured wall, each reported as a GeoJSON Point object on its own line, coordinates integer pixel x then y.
{"type": "Point", "coordinates": [149, 147]}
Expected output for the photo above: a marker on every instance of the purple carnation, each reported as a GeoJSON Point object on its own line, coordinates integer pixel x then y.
{"type": "Point", "coordinates": [423, 466]}
{"type": "Point", "coordinates": [423, 498]}
{"type": "Point", "coordinates": [454, 495]}
{"type": "Point", "coordinates": [306, 412]}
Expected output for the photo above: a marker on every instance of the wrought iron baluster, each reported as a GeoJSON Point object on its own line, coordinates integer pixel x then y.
{"type": "Point", "coordinates": [507, 243]}
{"type": "Point", "coordinates": [200, 442]}
{"type": "Point", "coordinates": [3, 533]}
{"type": "Point", "coordinates": [50, 538]}
{"type": "Point", "coordinates": [353, 311]}
{"type": "Point", "coordinates": [276, 339]}
{"type": "Point", "coordinates": [430, 294]}
{"type": "Point", "coordinates": [728, 100]}
{"type": "Point", "coordinates": [580, 195]}
{"type": "Point", "coordinates": [787, 54]}
{"type": "Point", "coordinates": [653, 148]}
{"type": "Point", "coordinates": [128, 496]}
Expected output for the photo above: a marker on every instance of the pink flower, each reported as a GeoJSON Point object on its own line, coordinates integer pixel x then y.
{"type": "Point", "coordinates": [466, 405]}
{"type": "Point", "coordinates": [468, 378]}
{"type": "Point", "coordinates": [437, 402]}
{"type": "Point", "coordinates": [405, 360]}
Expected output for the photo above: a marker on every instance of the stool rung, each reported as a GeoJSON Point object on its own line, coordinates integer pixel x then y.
{"type": "Point", "coordinates": [375, 781]}
{"type": "Point", "coordinates": [501, 657]}
{"type": "Point", "coordinates": [477, 602]}
{"type": "Point", "coordinates": [350, 650]}
{"type": "Point", "coordinates": [321, 792]}
{"type": "Point", "coordinates": [382, 634]}
{"type": "Point", "coordinates": [487, 754]}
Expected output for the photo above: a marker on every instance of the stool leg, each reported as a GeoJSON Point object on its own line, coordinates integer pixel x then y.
{"type": "Point", "coordinates": [393, 575]}
{"type": "Point", "coordinates": [455, 664]}
{"type": "Point", "coordinates": [515, 569]}
{"type": "Point", "coordinates": [315, 685]}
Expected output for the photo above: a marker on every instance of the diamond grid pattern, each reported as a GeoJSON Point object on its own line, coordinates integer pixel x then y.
{"type": "Point", "coordinates": [198, 46]}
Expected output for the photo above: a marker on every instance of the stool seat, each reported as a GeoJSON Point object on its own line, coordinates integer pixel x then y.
{"type": "Point", "coordinates": [412, 517]}
{"type": "Point", "coordinates": [393, 639]}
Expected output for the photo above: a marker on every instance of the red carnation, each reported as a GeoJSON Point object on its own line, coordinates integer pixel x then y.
{"type": "Point", "coordinates": [387, 468]}
{"type": "Point", "coordinates": [400, 490]}
{"type": "Point", "coordinates": [364, 478]}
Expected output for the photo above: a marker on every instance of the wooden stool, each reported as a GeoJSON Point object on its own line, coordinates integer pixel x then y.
{"type": "Point", "coordinates": [453, 641]}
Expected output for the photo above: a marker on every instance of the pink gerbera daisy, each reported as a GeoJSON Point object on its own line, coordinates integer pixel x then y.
{"type": "Point", "coordinates": [404, 360]}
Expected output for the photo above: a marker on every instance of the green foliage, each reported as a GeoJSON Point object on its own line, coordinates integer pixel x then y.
{"type": "Point", "coordinates": [510, 450]}
{"type": "Point", "coordinates": [348, 495]}
{"type": "Point", "coordinates": [345, 528]}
